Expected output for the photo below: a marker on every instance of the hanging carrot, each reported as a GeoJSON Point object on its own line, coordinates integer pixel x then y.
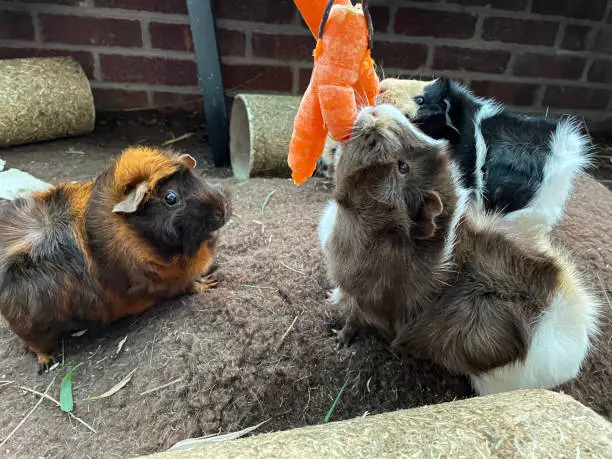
{"type": "Point", "coordinates": [343, 75]}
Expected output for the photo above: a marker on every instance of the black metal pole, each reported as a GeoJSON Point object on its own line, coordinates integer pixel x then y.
{"type": "Point", "coordinates": [204, 32]}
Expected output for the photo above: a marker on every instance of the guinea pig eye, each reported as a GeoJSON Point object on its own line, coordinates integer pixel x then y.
{"type": "Point", "coordinates": [171, 198]}
{"type": "Point", "coordinates": [419, 100]}
{"type": "Point", "coordinates": [402, 167]}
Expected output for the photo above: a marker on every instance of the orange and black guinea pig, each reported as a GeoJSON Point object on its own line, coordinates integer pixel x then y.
{"type": "Point", "coordinates": [86, 254]}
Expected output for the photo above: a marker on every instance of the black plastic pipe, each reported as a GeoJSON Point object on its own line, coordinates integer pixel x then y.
{"type": "Point", "coordinates": [204, 32]}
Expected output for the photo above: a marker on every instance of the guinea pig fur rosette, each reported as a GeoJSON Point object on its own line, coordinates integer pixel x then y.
{"type": "Point", "coordinates": [477, 294]}
{"type": "Point", "coordinates": [90, 253]}
{"type": "Point", "coordinates": [513, 163]}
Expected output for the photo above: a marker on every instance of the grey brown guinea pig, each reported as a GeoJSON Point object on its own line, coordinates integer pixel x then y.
{"type": "Point", "coordinates": [479, 295]}
{"type": "Point", "coordinates": [90, 253]}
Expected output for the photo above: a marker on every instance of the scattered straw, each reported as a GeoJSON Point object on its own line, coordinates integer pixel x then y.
{"type": "Point", "coordinates": [163, 386]}
{"type": "Point", "coordinates": [261, 287]}
{"type": "Point", "coordinates": [116, 388]}
{"type": "Point", "coordinates": [51, 399]}
{"type": "Point", "coordinates": [292, 269]}
{"type": "Point", "coordinates": [120, 345]}
{"type": "Point", "coordinates": [78, 334]}
{"type": "Point", "coordinates": [178, 139]}
{"type": "Point", "coordinates": [191, 442]}
{"type": "Point", "coordinates": [286, 333]}
{"type": "Point", "coordinates": [8, 437]}
{"type": "Point", "coordinates": [265, 203]}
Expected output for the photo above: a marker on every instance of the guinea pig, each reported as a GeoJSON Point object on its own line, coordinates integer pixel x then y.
{"type": "Point", "coordinates": [90, 253]}
{"type": "Point", "coordinates": [326, 164]}
{"type": "Point", "coordinates": [513, 163]}
{"type": "Point", "coordinates": [470, 291]}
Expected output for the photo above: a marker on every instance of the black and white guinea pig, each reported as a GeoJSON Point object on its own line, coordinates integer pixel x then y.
{"type": "Point", "coordinates": [512, 162]}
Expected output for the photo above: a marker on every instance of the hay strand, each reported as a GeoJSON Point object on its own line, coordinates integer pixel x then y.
{"type": "Point", "coordinates": [25, 418]}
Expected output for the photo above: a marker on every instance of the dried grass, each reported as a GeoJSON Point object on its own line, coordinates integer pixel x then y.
{"type": "Point", "coordinates": [43, 99]}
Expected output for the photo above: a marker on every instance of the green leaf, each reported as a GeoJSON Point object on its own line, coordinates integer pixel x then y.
{"type": "Point", "coordinates": [333, 407]}
{"type": "Point", "coordinates": [66, 401]}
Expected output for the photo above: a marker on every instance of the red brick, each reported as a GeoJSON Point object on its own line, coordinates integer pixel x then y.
{"type": "Point", "coordinates": [576, 98]}
{"type": "Point", "coordinates": [113, 99]}
{"type": "Point", "coordinates": [575, 37]}
{"type": "Point", "coordinates": [508, 93]}
{"type": "Point", "coordinates": [538, 65]}
{"type": "Point", "coordinates": [171, 36]}
{"type": "Point", "coordinates": [231, 42]}
{"type": "Point", "coordinates": [600, 72]}
{"type": "Point", "coordinates": [153, 70]}
{"type": "Point", "coordinates": [380, 17]}
{"type": "Point", "coordinates": [304, 79]}
{"type": "Point", "coordinates": [257, 77]}
{"type": "Point", "coordinates": [399, 55]}
{"type": "Point", "coordinates": [428, 23]}
{"type": "Point", "coordinates": [269, 11]}
{"type": "Point", "coordinates": [84, 58]}
{"type": "Point", "coordinates": [581, 9]}
{"type": "Point", "coordinates": [159, 6]}
{"type": "Point", "coordinates": [476, 60]}
{"type": "Point", "coordinates": [16, 25]}
{"type": "Point", "coordinates": [178, 101]}
{"type": "Point", "coordinates": [64, 2]}
{"type": "Point", "coordinates": [603, 40]}
{"type": "Point", "coordinates": [522, 31]}
{"type": "Point", "coordinates": [516, 5]}
{"type": "Point", "coordinates": [286, 47]}
{"type": "Point", "coordinates": [79, 30]}
{"type": "Point", "coordinates": [178, 37]}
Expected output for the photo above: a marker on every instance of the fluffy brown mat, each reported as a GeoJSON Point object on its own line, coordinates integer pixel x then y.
{"type": "Point", "coordinates": [259, 347]}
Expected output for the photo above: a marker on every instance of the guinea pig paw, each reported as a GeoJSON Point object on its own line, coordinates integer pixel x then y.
{"type": "Point", "coordinates": [45, 362]}
{"type": "Point", "coordinates": [204, 284]}
{"type": "Point", "coordinates": [344, 338]}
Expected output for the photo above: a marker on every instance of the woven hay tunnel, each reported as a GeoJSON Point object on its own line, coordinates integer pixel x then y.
{"type": "Point", "coordinates": [260, 132]}
{"type": "Point", "coordinates": [528, 423]}
{"type": "Point", "coordinates": [43, 99]}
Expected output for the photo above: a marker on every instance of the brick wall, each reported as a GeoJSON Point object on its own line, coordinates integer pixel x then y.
{"type": "Point", "coordinates": [540, 55]}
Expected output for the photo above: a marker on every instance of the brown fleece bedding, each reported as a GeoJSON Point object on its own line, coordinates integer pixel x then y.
{"type": "Point", "coordinates": [259, 347]}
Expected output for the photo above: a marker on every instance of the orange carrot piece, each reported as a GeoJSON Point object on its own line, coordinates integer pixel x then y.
{"type": "Point", "coordinates": [367, 84]}
{"type": "Point", "coordinates": [308, 137]}
{"type": "Point", "coordinates": [339, 110]}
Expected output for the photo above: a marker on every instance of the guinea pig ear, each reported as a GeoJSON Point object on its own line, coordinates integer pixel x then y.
{"type": "Point", "coordinates": [132, 201]}
{"type": "Point", "coordinates": [188, 161]}
{"type": "Point", "coordinates": [425, 220]}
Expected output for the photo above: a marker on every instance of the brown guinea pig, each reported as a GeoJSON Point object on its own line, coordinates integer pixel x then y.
{"type": "Point", "coordinates": [474, 293]}
{"type": "Point", "coordinates": [90, 253]}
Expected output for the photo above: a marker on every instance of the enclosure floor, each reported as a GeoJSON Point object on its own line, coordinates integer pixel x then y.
{"type": "Point", "coordinates": [257, 348]}
{"type": "Point", "coordinates": [80, 158]}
